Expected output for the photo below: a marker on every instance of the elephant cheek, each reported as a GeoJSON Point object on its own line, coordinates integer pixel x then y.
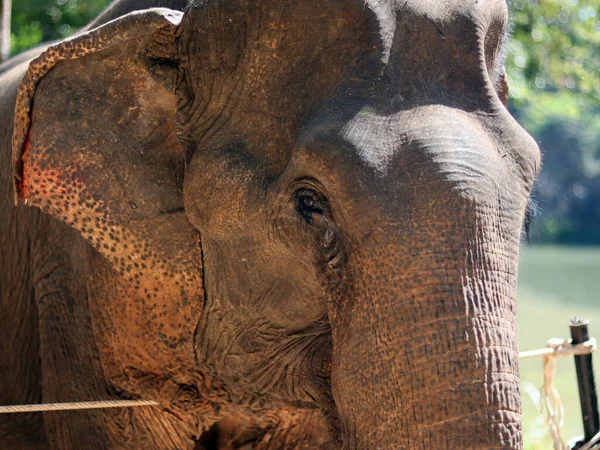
{"type": "Point", "coordinates": [220, 191]}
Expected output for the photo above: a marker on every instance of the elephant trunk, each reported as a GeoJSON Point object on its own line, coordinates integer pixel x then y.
{"type": "Point", "coordinates": [425, 352]}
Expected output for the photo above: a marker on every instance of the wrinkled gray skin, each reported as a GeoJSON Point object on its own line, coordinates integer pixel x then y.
{"type": "Point", "coordinates": [309, 211]}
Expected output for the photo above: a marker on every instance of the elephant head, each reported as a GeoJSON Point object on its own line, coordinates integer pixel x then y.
{"type": "Point", "coordinates": [317, 203]}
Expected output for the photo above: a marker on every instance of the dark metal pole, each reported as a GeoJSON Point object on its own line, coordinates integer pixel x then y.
{"type": "Point", "coordinates": [585, 379]}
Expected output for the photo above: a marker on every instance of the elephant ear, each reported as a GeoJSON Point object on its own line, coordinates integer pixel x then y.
{"type": "Point", "coordinates": [95, 145]}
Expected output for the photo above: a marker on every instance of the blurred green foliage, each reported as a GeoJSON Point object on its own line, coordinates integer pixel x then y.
{"type": "Point", "coordinates": [553, 66]}
{"type": "Point", "coordinates": [37, 21]}
{"type": "Point", "coordinates": [555, 47]}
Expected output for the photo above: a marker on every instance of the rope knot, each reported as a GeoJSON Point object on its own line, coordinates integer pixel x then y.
{"type": "Point", "coordinates": [559, 345]}
{"type": "Point", "coordinates": [565, 347]}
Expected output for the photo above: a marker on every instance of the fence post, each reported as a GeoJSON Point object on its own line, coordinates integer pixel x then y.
{"type": "Point", "coordinates": [585, 380]}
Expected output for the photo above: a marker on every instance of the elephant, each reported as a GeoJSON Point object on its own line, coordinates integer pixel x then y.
{"type": "Point", "coordinates": [293, 224]}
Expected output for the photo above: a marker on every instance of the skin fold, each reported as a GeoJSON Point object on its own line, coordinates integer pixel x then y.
{"type": "Point", "coordinates": [293, 224]}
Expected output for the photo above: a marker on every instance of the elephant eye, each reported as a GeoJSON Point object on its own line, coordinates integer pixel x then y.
{"type": "Point", "coordinates": [308, 204]}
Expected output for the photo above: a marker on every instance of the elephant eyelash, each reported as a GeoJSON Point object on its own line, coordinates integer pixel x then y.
{"type": "Point", "coordinates": [308, 204]}
{"type": "Point", "coordinates": [531, 211]}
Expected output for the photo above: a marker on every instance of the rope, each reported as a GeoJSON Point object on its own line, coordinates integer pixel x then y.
{"type": "Point", "coordinates": [550, 398]}
{"type": "Point", "coordinates": [561, 347]}
{"type": "Point", "coordinates": [79, 405]}
{"type": "Point", "coordinates": [592, 443]}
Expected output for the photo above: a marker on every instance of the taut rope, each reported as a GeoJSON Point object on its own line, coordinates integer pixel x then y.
{"type": "Point", "coordinates": [78, 405]}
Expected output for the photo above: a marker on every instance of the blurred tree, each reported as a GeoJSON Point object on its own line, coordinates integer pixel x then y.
{"type": "Point", "coordinates": [553, 66]}
{"type": "Point", "coordinates": [37, 21]}
{"type": "Point", "coordinates": [555, 47]}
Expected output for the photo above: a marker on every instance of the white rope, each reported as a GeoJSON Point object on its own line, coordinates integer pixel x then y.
{"type": "Point", "coordinates": [561, 347]}
{"type": "Point", "coordinates": [591, 444]}
{"type": "Point", "coordinates": [78, 405]}
{"type": "Point", "coordinates": [550, 398]}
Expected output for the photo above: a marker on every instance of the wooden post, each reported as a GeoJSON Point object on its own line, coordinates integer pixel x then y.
{"type": "Point", "coordinates": [5, 7]}
{"type": "Point", "coordinates": [585, 379]}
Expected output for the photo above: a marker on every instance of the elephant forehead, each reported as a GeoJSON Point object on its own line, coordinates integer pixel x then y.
{"type": "Point", "coordinates": [379, 139]}
{"type": "Point", "coordinates": [262, 68]}
{"type": "Point", "coordinates": [392, 12]}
